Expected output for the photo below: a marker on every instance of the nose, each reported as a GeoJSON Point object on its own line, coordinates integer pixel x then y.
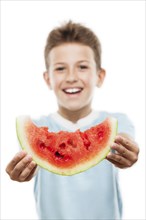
{"type": "Point", "coordinates": [71, 76]}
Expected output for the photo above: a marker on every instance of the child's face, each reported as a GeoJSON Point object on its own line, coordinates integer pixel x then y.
{"type": "Point", "coordinates": [73, 76]}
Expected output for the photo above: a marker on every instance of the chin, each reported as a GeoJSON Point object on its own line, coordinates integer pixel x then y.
{"type": "Point", "coordinates": [74, 108]}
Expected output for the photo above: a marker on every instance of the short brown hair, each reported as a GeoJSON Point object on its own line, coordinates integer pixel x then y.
{"type": "Point", "coordinates": [73, 32]}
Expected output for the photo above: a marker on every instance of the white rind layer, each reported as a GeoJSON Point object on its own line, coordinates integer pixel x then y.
{"type": "Point", "coordinates": [20, 128]}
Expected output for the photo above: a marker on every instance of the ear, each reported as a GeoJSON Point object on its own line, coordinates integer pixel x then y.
{"type": "Point", "coordinates": [101, 76]}
{"type": "Point", "coordinates": [47, 79]}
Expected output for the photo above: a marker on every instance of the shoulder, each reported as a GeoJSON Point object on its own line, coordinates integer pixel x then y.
{"type": "Point", "coordinates": [125, 124]}
{"type": "Point", "coordinates": [44, 120]}
{"type": "Point", "coordinates": [48, 121]}
{"type": "Point", "coordinates": [121, 117]}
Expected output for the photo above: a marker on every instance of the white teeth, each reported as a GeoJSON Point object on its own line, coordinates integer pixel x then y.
{"type": "Point", "coordinates": [72, 90]}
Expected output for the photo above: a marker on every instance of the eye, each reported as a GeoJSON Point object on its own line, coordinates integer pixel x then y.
{"type": "Point", "coordinates": [60, 69]}
{"type": "Point", "coordinates": [83, 67]}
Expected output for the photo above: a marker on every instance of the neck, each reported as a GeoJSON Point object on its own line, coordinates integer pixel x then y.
{"type": "Point", "coordinates": [75, 115]}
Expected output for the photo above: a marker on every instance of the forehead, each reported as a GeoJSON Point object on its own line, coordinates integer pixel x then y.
{"type": "Point", "coordinates": [71, 52]}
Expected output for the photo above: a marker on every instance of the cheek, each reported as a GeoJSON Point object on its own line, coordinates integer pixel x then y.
{"type": "Point", "coordinates": [56, 81]}
{"type": "Point", "coordinates": [89, 79]}
{"type": "Point", "coordinates": [85, 77]}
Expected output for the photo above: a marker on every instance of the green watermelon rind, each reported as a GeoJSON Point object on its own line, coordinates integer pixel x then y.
{"type": "Point", "coordinates": [21, 120]}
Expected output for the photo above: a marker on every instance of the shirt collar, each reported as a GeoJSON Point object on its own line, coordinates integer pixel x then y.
{"type": "Point", "coordinates": [80, 123]}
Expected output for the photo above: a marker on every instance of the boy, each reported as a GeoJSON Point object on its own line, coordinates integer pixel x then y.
{"type": "Point", "coordinates": [73, 70]}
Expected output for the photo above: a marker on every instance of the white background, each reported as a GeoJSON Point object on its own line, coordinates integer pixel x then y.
{"type": "Point", "coordinates": [120, 26]}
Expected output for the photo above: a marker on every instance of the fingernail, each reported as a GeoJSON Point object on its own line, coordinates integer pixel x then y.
{"type": "Point", "coordinates": [28, 157]}
{"type": "Point", "coordinates": [21, 153]}
{"type": "Point", "coordinates": [109, 154]}
{"type": "Point", "coordinates": [117, 137]}
{"type": "Point", "coordinates": [112, 146]}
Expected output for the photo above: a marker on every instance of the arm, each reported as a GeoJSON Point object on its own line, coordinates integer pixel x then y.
{"type": "Point", "coordinates": [126, 151]}
{"type": "Point", "coordinates": [21, 168]}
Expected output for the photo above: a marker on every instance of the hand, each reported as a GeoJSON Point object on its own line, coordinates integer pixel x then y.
{"type": "Point", "coordinates": [21, 168]}
{"type": "Point", "coordinates": [126, 152]}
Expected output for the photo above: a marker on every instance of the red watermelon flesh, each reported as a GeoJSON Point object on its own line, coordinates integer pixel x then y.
{"type": "Point", "coordinates": [64, 152]}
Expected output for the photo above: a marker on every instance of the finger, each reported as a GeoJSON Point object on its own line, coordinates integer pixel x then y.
{"type": "Point", "coordinates": [122, 151]}
{"type": "Point", "coordinates": [128, 143]}
{"type": "Point", "coordinates": [119, 159]}
{"type": "Point", "coordinates": [31, 174]}
{"type": "Point", "coordinates": [18, 157]}
{"type": "Point", "coordinates": [28, 171]}
{"type": "Point", "coordinates": [20, 167]}
{"type": "Point", "coordinates": [116, 163]}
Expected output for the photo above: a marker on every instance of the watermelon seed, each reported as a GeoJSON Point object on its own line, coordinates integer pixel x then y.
{"type": "Point", "coordinates": [58, 155]}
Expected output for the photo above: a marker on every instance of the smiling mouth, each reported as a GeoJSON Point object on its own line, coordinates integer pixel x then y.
{"type": "Point", "coordinates": [72, 90]}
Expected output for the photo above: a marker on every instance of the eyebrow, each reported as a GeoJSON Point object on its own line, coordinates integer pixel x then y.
{"type": "Point", "coordinates": [60, 63]}
{"type": "Point", "coordinates": [80, 61]}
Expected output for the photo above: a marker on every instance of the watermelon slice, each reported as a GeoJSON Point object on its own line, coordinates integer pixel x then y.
{"type": "Point", "coordinates": [63, 152]}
